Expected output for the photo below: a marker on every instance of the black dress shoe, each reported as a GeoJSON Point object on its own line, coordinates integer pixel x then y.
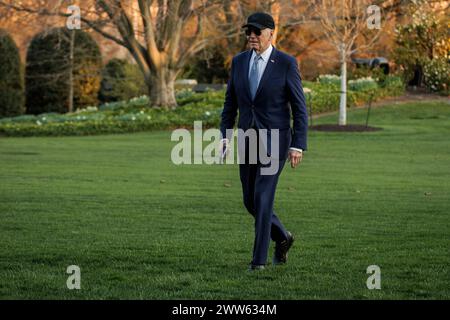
{"type": "Point", "coordinates": [281, 250]}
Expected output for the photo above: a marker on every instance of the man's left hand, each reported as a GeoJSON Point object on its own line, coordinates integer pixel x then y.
{"type": "Point", "coordinates": [295, 157]}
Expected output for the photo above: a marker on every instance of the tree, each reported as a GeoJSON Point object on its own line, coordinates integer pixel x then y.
{"type": "Point", "coordinates": [63, 71]}
{"type": "Point", "coordinates": [11, 80]}
{"type": "Point", "coordinates": [208, 66]}
{"type": "Point", "coordinates": [163, 35]}
{"type": "Point", "coordinates": [286, 14]}
{"type": "Point", "coordinates": [342, 23]}
{"type": "Point", "coordinates": [160, 35]}
{"type": "Point", "coordinates": [422, 39]}
{"type": "Point", "coordinates": [121, 80]}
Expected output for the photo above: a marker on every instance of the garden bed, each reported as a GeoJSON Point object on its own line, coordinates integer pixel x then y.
{"type": "Point", "coordinates": [136, 115]}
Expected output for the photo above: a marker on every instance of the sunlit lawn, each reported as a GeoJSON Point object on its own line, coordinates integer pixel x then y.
{"type": "Point", "coordinates": [141, 227]}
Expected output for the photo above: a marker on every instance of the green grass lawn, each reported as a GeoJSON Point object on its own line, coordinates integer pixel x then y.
{"type": "Point", "coordinates": [140, 227]}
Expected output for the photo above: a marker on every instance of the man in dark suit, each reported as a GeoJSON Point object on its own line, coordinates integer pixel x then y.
{"type": "Point", "coordinates": [265, 86]}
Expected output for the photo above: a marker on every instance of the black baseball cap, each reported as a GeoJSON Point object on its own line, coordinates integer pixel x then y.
{"type": "Point", "coordinates": [260, 20]}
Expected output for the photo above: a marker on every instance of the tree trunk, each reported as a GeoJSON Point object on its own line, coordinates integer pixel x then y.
{"type": "Point", "coordinates": [343, 99]}
{"type": "Point", "coordinates": [72, 45]}
{"type": "Point", "coordinates": [275, 12]}
{"type": "Point", "coordinates": [162, 88]}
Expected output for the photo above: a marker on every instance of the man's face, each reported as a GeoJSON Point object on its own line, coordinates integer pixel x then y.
{"type": "Point", "coordinates": [259, 43]}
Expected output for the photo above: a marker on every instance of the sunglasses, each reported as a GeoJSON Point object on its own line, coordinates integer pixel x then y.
{"type": "Point", "coordinates": [256, 31]}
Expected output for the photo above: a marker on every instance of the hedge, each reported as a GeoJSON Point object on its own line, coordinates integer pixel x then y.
{"type": "Point", "coordinates": [48, 70]}
{"type": "Point", "coordinates": [135, 114]}
{"type": "Point", "coordinates": [121, 80]}
{"type": "Point", "coordinates": [11, 78]}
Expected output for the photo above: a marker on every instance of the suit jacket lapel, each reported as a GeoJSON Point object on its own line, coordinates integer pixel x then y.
{"type": "Point", "coordinates": [266, 75]}
{"type": "Point", "coordinates": [245, 77]}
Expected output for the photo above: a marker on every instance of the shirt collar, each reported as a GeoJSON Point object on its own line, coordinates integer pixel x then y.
{"type": "Point", "coordinates": [266, 54]}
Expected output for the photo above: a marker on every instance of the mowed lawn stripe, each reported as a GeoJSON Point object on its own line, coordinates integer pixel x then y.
{"type": "Point", "coordinates": [141, 227]}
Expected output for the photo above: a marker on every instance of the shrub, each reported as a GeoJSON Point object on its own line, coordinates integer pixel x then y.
{"type": "Point", "coordinates": [48, 71]}
{"type": "Point", "coordinates": [392, 86]}
{"type": "Point", "coordinates": [437, 74]}
{"type": "Point", "coordinates": [208, 66]}
{"type": "Point", "coordinates": [329, 79]}
{"type": "Point", "coordinates": [424, 38]}
{"type": "Point", "coordinates": [11, 81]}
{"type": "Point", "coordinates": [134, 115]}
{"type": "Point", "coordinates": [324, 98]}
{"type": "Point", "coordinates": [121, 81]}
{"type": "Point", "coordinates": [362, 84]}
{"type": "Point", "coordinates": [376, 73]}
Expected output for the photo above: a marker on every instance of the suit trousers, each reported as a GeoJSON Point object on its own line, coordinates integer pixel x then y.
{"type": "Point", "coordinates": [258, 195]}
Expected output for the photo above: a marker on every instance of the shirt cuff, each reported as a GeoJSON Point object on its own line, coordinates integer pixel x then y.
{"type": "Point", "coordinates": [296, 149]}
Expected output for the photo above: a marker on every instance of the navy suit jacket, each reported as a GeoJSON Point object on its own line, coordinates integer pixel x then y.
{"type": "Point", "coordinates": [279, 94]}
